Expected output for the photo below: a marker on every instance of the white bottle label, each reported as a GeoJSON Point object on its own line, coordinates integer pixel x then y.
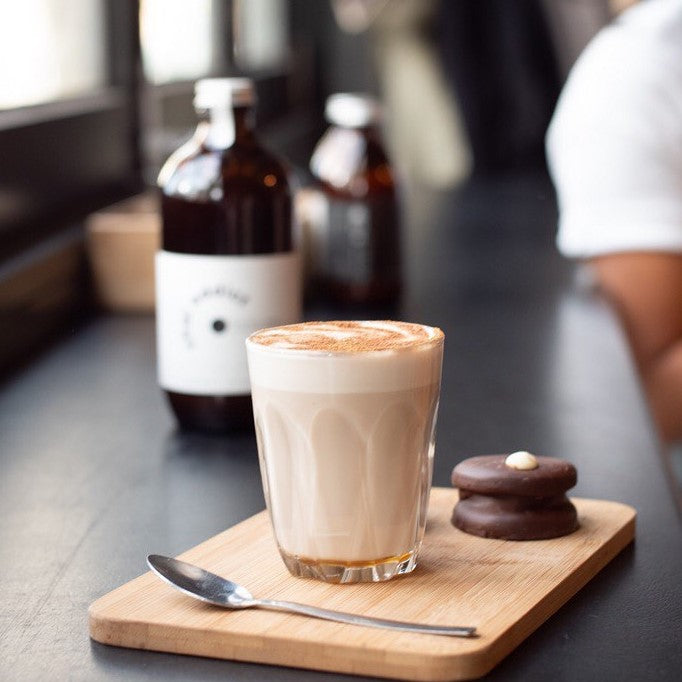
{"type": "Point", "coordinates": [206, 306]}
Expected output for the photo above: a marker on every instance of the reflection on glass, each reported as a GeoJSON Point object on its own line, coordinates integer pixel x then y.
{"type": "Point", "coordinates": [50, 50]}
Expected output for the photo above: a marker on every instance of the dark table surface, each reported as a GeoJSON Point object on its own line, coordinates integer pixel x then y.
{"type": "Point", "coordinates": [94, 475]}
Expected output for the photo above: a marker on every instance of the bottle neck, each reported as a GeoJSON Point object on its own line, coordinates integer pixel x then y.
{"type": "Point", "coordinates": [223, 126]}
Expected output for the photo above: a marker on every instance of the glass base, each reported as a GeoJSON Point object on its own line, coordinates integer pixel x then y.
{"type": "Point", "coordinates": [350, 571]}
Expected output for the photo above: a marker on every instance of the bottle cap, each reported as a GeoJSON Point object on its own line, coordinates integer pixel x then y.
{"type": "Point", "coordinates": [352, 110]}
{"type": "Point", "coordinates": [212, 92]}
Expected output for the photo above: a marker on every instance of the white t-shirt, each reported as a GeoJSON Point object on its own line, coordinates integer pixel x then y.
{"type": "Point", "coordinates": [614, 145]}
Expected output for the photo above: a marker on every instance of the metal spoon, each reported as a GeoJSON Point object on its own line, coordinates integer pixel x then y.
{"type": "Point", "coordinates": [213, 589]}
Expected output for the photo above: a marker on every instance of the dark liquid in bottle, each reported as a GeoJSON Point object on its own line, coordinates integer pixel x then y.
{"type": "Point", "coordinates": [243, 209]}
{"type": "Point", "coordinates": [362, 263]}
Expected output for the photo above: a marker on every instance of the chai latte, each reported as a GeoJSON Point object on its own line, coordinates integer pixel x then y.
{"type": "Point", "coordinates": [345, 417]}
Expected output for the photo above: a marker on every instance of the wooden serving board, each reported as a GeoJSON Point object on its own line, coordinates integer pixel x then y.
{"type": "Point", "coordinates": [506, 589]}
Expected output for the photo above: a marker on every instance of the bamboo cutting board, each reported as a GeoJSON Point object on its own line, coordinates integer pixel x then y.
{"type": "Point", "coordinates": [506, 589]}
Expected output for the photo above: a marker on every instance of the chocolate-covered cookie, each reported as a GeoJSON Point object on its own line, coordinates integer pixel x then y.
{"type": "Point", "coordinates": [514, 497]}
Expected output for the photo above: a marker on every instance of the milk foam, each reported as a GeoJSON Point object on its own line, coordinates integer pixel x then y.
{"type": "Point", "coordinates": [347, 336]}
{"type": "Point", "coordinates": [345, 357]}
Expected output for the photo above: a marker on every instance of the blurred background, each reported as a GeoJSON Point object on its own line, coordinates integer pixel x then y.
{"type": "Point", "coordinates": [95, 94]}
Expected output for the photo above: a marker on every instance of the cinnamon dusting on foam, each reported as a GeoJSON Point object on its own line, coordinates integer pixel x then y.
{"type": "Point", "coordinates": [348, 336]}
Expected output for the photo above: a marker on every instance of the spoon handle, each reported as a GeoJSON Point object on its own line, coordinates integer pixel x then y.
{"type": "Point", "coordinates": [353, 619]}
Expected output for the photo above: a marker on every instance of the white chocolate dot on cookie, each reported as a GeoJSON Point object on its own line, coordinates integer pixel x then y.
{"type": "Point", "coordinates": [521, 460]}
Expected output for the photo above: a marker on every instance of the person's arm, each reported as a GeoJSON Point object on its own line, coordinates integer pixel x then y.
{"type": "Point", "coordinates": [646, 290]}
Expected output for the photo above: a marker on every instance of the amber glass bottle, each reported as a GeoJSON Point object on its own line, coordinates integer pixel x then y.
{"type": "Point", "coordinates": [355, 247]}
{"type": "Point", "coordinates": [227, 265]}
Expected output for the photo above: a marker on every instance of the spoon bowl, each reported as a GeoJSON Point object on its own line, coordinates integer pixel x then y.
{"type": "Point", "coordinates": [200, 584]}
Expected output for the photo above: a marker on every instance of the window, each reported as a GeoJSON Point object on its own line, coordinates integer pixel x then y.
{"type": "Point", "coordinates": [261, 36]}
{"type": "Point", "coordinates": [176, 38]}
{"type": "Point", "coordinates": [68, 127]}
{"type": "Point", "coordinates": [68, 139]}
{"type": "Point", "coordinates": [50, 50]}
